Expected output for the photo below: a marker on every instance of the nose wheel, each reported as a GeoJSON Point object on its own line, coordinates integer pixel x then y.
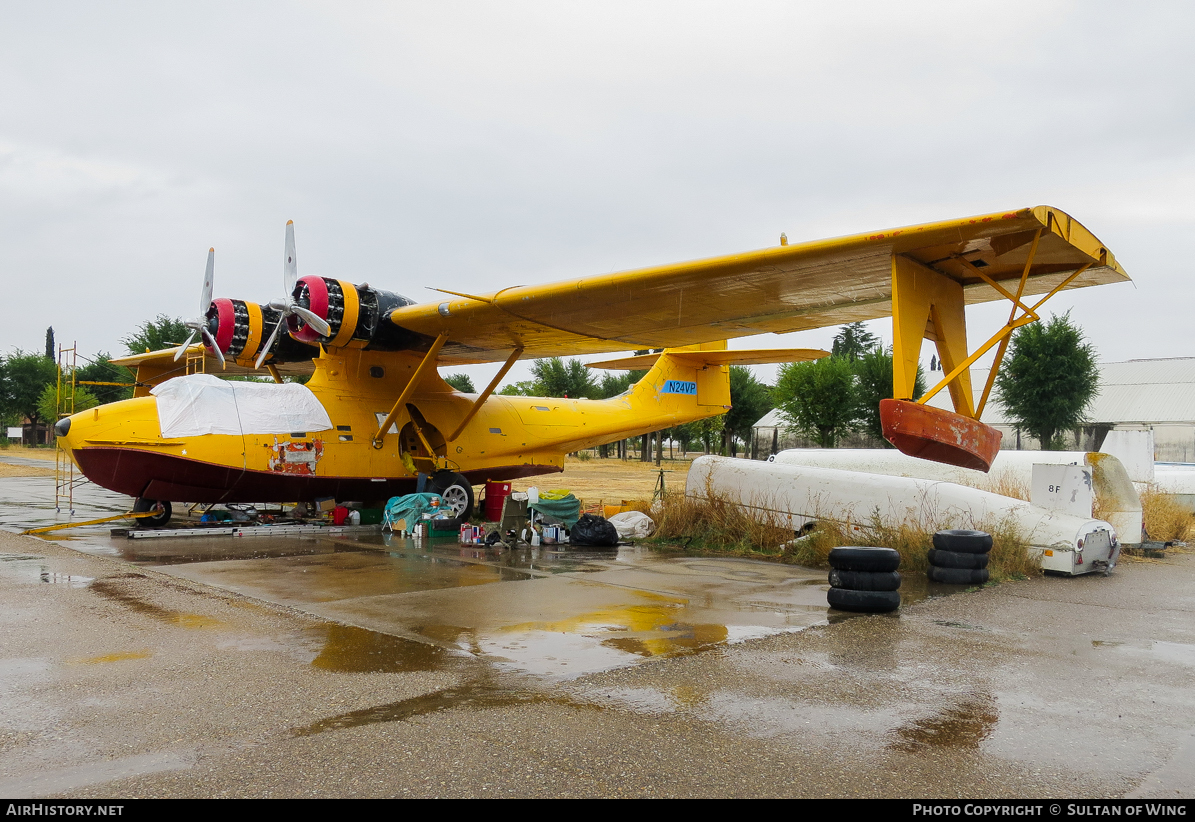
{"type": "Point", "coordinates": [456, 495]}
{"type": "Point", "coordinates": [161, 509]}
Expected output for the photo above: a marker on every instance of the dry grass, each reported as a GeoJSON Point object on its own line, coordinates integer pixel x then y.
{"type": "Point", "coordinates": [1165, 520]}
{"type": "Point", "coordinates": [38, 453]}
{"type": "Point", "coordinates": [716, 525]}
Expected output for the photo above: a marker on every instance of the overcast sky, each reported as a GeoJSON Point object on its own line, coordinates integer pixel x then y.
{"type": "Point", "coordinates": [473, 146]}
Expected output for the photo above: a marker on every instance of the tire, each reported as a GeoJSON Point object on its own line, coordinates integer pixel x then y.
{"type": "Point", "coordinates": [456, 494]}
{"type": "Point", "coordinates": [963, 542]}
{"type": "Point", "coordinates": [859, 558]}
{"type": "Point", "coordinates": [954, 559]}
{"type": "Point", "coordinates": [865, 580]}
{"type": "Point", "coordinates": [141, 505]}
{"type": "Point", "coordinates": [958, 576]}
{"type": "Point", "coordinates": [873, 602]}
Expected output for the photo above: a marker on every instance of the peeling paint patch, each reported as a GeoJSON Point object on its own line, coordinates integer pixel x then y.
{"type": "Point", "coordinates": [295, 457]}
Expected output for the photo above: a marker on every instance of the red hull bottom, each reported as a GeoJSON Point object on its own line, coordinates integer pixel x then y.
{"type": "Point", "coordinates": [938, 435]}
{"type": "Point", "coordinates": [175, 479]}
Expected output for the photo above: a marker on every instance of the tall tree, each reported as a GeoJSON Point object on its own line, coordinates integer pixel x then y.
{"type": "Point", "coordinates": [873, 382]}
{"type": "Point", "coordinates": [51, 353]}
{"type": "Point", "coordinates": [23, 378]}
{"type": "Point", "coordinates": [818, 398]}
{"type": "Point", "coordinates": [853, 341]}
{"type": "Point", "coordinates": [461, 382]}
{"type": "Point", "coordinates": [1048, 379]}
{"type": "Point", "coordinates": [101, 369]}
{"type": "Point", "coordinates": [156, 334]}
{"type": "Point", "coordinates": [556, 378]}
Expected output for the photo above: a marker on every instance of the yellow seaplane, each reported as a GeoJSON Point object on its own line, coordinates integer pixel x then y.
{"type": "Point", "coordinates": [375, 419]}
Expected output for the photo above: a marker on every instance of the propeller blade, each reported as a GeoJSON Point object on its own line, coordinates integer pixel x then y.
{"type": "Point", "coordinates": [290, 268]}
{"type": "Point", "coordinates": [265, 349]}
{"type": "Point", "coordinates": [210, 341]}
{"type": "Point", "coordinates": [178, 354]}
{"type": "Point", "coordinates": [312, 319]}
{"type": "Point", "coordinates": [205, 296]}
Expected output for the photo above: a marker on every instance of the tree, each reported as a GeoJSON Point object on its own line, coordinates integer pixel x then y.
{"type": "Point", "coordinates": [47, 403]}
{"type": "Point", "coordinates": [461, 382]}
{"type": "Point", "coordinates": [873, 382]}
{"type": "Point", "coordinates": [156, 334]}
{"type": "Point", "coordinates": [101, 369]}
{"type": "Point", "coordinates": [51, 352]}
{"type": "Point", "coordinates": [853, 341]}
{"type": "Point", "coordinates": [556, 378]}
{"type": "Point", "coordinates": [23, 377]}
{"type": "Point", "coordinates": [818, 398]}
{"type": "Point", "coordinates": [1049, 379]}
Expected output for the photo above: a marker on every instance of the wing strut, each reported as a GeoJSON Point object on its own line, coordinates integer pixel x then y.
{"type": "Point", "coordinates": [428, 362]}
{"type": "Point", "coordinates": [489, 389]}
{"type": "Point", "coordinates": [927, 303]}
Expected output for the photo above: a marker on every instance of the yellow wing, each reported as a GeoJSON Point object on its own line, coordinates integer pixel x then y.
{"type": "Point", "coordinates": [780, 289]}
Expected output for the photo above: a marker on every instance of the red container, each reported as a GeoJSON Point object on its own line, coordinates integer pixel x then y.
{"type": "Point", "coordinates": [495, 494]}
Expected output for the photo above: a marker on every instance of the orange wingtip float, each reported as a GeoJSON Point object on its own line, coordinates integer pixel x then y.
{"type": "Point", "coordinates": [939, 435]}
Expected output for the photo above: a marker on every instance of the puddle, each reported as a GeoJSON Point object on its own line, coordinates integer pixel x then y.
{"type": "Point", "coordinates": [963, 725]}
{"type": "Point", "coordinates": [350, 649]}
{"type": "Point", "coordinates": [32, 569]}
{"type": "Point", "coordinates": [110, 588]}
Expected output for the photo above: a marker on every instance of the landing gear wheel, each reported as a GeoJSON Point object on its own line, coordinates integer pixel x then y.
{"type": "Point", "coordinates": [456, 495]}
{"type": "Point", "coordinates": [159, 519]}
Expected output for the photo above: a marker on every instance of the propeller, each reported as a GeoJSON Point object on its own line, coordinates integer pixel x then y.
{"type": "Point", "coordinates": [199, 325]}
{"type": "Point", "coordinates": [288, 307]}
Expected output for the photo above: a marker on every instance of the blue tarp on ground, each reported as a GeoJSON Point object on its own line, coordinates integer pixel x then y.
{"type": "Point", "coordinates": [402, 513]}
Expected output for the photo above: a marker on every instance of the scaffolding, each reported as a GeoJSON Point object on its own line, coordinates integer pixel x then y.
{"type": "Point", "coordinates": [66, 476]}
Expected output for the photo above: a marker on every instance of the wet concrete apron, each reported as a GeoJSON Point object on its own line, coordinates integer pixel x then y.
{"type": "Point", "coordinates": [455, 672]}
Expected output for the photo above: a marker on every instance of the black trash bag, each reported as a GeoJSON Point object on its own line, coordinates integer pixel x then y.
{"type": "Point", "coordinates": [594, 532]}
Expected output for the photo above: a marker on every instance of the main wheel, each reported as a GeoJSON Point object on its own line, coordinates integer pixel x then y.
{"type": "Point", "coordinates": [456, 494]}
{"type": "Point", "coordinates": [159, 519]}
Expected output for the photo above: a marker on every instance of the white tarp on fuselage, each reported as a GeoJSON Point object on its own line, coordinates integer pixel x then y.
{"type": "Point", "coordinates": [203, 404]}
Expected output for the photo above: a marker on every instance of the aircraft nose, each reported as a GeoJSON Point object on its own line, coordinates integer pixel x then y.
{"type": "Point", "coordinates": [63, 427]}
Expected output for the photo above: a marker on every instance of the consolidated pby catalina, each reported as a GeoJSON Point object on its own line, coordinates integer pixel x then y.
{"type": "Point", "coordinates": [375, 414]}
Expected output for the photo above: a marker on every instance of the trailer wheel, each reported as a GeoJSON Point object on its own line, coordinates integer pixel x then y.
{"type": "Point", "coordinates": [875, 602]}
{"type": "Point", "coordinates": [963, 542]}
{"type": "Point", "coordinates": [860, 558]}
{"type": "Point", "coordinates": [141, 505]}
{"type": "Point", "coordinates": [865, 580]}
{"type": "Point", "coordinates": [957, 576]}
{"type": "Point", "coordinates": [955, 559]}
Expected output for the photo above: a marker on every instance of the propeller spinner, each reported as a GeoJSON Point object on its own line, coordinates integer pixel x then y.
{"type": "Point", "coordinates": [288, 307]}
{"type": "Point", "coordinates": [199, 325]}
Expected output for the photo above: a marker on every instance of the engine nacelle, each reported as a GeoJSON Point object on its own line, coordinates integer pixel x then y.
{"type": "Point", "coordinates": [355, 315]}
{"type": "Point", "coordinates": [240, 328]}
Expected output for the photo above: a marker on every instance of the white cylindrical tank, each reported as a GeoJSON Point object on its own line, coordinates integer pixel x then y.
{"type": "Point", "coordinates": [1011, 472]}
{"type": "Point", "coordinates": [807, 493]}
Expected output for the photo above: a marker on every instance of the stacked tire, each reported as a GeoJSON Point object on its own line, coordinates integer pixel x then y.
{"type": "Point", "coordinates": [864, 579]}
{"type": "Point", "coordinates": [960, 557]}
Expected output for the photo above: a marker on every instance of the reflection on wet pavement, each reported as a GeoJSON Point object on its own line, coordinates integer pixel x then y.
{"type": "Point", "coordinates": [116, 587]}
{"type": "Point", "coordinates": [398, 605]}
{"type": "Point", "coordinates": [356, 650]}
{"type": "Point", "coordinates": [477, 695]}
{"type": "Point", "coordinates": [963, 725]}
